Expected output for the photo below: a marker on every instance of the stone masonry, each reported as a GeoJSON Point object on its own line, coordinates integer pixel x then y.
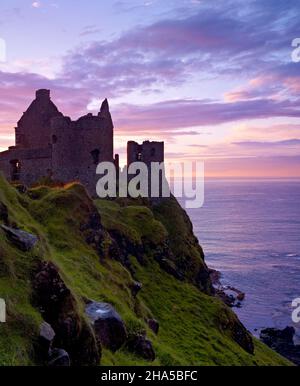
{"type": "Point", "coordinates": [49, 144]}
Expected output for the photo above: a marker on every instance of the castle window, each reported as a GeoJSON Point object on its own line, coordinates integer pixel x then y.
{"type": "Point", "coordinates": [15, 169]}
{"type": "Point", "coordinates": [96, 156]}
{"type": "Point", "coordinates": [139, 156]}
{"type": "Point", "coordinates": [54, 138]}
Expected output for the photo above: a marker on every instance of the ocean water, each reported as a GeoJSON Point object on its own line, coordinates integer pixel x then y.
{"type": "Point", "coordinates": [250, 231]}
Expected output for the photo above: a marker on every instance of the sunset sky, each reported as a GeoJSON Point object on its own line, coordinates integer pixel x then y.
{"type": "Point", "coordinates": [216, 82]}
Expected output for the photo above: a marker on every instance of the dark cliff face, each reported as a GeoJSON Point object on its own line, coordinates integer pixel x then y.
{"type": "Point", "coordinates": [139, 260]}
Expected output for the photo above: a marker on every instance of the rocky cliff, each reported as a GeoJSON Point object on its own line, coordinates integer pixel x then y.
{"type": "Point", "coordinates": [118, 282]}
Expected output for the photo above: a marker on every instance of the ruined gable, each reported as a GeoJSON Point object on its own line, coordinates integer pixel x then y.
{"type": "Point", "coordinates": [33, 130]}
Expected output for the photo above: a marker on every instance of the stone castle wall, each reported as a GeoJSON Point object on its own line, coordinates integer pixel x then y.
{"type": "Point", "coordinates": [147, 152]}
{"type": "Point", "coordinates": [50, 144]}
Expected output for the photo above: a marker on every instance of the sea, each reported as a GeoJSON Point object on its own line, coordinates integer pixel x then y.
{"type": "Point", "coordinates": [250, 232]}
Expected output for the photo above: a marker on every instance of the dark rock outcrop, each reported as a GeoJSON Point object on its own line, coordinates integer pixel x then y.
{"type": "Point", "coordinates": [170, 267]}
{"type": "Point", "coordinates": [136, 288]}
{"type": "Point", "coordinates": [59, 308]}
{"type": "Point", "coordinates": [3, 213]}
{"type": "Point", "coordinates": [51, 356]}
{"type": "Point", "coordinates": [108, 325]}
{"type": "Point", "coordinates": [121, 248]}
{"type": "Point", "coordinates": [231, 296]}
{"type": "Point", "coordinates": [59, 358]}
{"type": "Point", "coordinates": [282, 341]}
{"type": "Point", "coordinates": [46, 338]}
{"type": "Point", "coordinates": [215, 276]}
{"type": "Point", "coordinates": [241, 336]}
{"type": "Point", "coordinates": [230, 324]}
{"type": "Point", "coordinates": [141, 346]}
{"type": "Point", "coordinates": [93, 231]}
{"type": "Point", "coordinates": [23, 240]}
{"type": "Point", "coordinates": [153, 325]}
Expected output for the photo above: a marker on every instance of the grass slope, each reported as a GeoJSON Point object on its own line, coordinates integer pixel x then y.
{"type": "Point", "coordinates": [189, 320]}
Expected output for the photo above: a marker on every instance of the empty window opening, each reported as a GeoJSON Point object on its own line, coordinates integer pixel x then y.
{"type": "Point", "coordinates": [15, 169]}
{"type": "Point", "coordinates": [54, 138]}
{"type": "Point", "coordinates": [139, 156]}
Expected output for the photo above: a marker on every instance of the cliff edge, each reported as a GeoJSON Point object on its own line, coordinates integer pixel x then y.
{"type": "Point", "coordinates": [120, 282]}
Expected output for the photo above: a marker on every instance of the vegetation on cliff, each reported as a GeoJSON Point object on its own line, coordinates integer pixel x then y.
{"type": "Point", "coordinates": [141, 258]}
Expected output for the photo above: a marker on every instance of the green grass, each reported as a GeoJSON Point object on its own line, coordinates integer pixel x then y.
{"type": "Point", "coordinates": [190, 332]}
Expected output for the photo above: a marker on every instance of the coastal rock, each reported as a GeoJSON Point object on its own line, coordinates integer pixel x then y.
{"type": "Point", "coordinates": [230, 295]}
{"type": "Point", "coordinates": [59, 358]}
{"type": "Point", "coordinates": [282, 341]}
{"type": "Point", "coordinates": [141, 346]}
{"type": "Point", "coordinates": [215, 277]}
{"type": "Point", "coordinates": [108, 325]}
{"type": "Point", "coordinates": [21, 239]}
{"type": "Point", "coordinates": [153, 325]}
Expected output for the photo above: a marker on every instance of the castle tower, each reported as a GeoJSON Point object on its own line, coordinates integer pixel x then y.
{"type": "Point", "coordinates": [33, 130]}
{"type": "Point", "coordinates": [79, 146]}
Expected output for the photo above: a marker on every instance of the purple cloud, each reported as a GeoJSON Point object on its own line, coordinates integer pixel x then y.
{"type": "Point", "coordinates": [191, 113]}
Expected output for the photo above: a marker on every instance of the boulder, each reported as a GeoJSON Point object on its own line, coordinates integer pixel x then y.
{"type": "Point", "coordinates": [153, 325]}
{"type": "Point", "coordinates": [46, 337]}
{"type": "Point", "coordinates": [273, 337]}
{"type": "Point", "coordinates": [21, 239]}
{"type": "Point", "coordinates": [141, 346]}
{"type": "Point", "coordinates": [108, 325]}
{"type": "Point", "coordinates": [282, 341]}
{"type": "Point", "coordinates": [59, 358]}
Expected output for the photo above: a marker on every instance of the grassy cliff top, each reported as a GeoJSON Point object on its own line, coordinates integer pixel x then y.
{"type": "Point", "coordinates": [191, 321]}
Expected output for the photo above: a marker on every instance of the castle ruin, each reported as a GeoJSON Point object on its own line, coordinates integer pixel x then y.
{"type": "Point", "coordinates": [49, 144]}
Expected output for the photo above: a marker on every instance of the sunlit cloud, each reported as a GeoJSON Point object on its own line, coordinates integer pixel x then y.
{"type": "Point", "coordinates": [36, 4]}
